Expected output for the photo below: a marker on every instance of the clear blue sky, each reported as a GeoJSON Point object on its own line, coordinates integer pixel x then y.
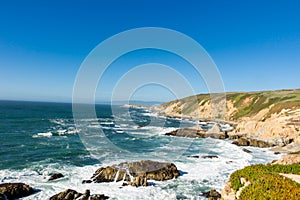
{"type": "Point", "coordinates": [255, 44]}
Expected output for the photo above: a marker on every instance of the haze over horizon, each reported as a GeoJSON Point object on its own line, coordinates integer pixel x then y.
{"type": "Point", "coordinates": [255, 44]}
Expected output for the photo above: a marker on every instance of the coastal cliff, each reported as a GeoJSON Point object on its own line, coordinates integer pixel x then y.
{"type": "Point", "coordinates": [262, 119]}
{"type": "Point", "coordinates": [268, 115]}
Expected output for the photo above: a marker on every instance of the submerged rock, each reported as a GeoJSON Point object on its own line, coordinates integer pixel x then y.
{"type": "Point", "coordinates": [140, 172]}
{"type": "Point", "coordinates": [66, 195]}
{"type": "Point", "coordinates": [210, 156]}
{"type": "Point", "coordinates": [193, 156]}
{"type": "Point", "coordinates": [86, 181]}
{"type": "Point", "coordinates": [212, 195]}
{"type": "Point", "coordinates": [246, 150]}
{"type": "Point", "coordinates": [55, 176]}
{"type": "Point", "coordinates": [15, 190]}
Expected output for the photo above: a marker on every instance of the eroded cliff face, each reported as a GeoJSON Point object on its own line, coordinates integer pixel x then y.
{"type": "Point", "coordinates": [271, 114]}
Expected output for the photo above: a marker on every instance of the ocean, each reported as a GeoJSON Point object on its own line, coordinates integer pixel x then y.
{"type": "Point", "coordinates": [38, 139]}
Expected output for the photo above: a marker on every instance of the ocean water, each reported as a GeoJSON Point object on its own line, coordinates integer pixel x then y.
{"type": "Point", "coordinates": [38, 139]}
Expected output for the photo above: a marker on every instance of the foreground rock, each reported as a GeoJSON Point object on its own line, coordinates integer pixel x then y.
{"type": "Point", "coordinates": [15, 190]}
{"type": "Point", "coordinates": [99, 197]}
{"type": "Point", "coordinates": [136, 173]}
{"type": "Point", "coordinates": [212, 195]}
{"type": "Point", "coordinates": [55, 176]}
{"type": "Point", "coordinates": [195, 132]}
{"type": "Point", "coordinates": [139, 181]}
{"type": "Point", "coordinates": [72, 195]}
{"type": "Point", "coordinates": [66, 195]}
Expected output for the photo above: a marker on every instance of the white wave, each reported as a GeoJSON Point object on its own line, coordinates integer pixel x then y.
{"type": "Point", "coordinates": [208, 173]}
{"type": "Point", "coordinates": [106, 123]}
{"type": "Point", "coordinates": [46, 134]}
{"type": "Point", "coordinates": [94, 126]}
{"type": "Point", "coordinates": [196, 173]}
{"type": "Point", "coordinates": [58, 121]}
{"type": "Point", "coordinates": [119, 131]}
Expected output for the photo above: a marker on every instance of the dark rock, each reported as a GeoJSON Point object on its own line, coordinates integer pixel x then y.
{"type": "Point", "coordinates": [108, 174]}
{"type": "Point", "coordinates": [235, 136]}
{"type": "Point", "coordinates": [55, 176]}
{"type": "Point", "coordinates": [196, 133]}
{"type": "Point", "coordinates": [99, 197]}
{"type": "Point", "coordinates": [86, 181]}
{"type": "Point", "coordinates": [2, 197]}
{"type": "Point", "coordinates": [210, 156]}
{"type": "Point", "coordinates": [193, 156]}
{"type": "Point", "coordinates": [246, 150]}
{"type": "Point", "coordinates": [276, 153]}
{"type": "Point", "coordinates": [139, 181]}
{"type": "Point", "coordinates": [15, 190]}
{"type": "Point", "coordinates": [243, 141]}
{"type": "Point", "coordinates": [150, 169]}
{"type": "Point", "coordinates": [212, 195]}
{"type": "Point", "coordinates": [66, 195]}
{"type": "Point", "coordinates": [86, 195]}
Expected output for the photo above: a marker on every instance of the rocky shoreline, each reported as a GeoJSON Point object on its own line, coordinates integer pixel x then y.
{"type": "Point", "coordinates": [278, 143]}
{"type": "Point", "coordinates": [129, 173]}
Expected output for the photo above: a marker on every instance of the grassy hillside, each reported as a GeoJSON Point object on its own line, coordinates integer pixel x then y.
{"type": "Point", "coordinates": [266, 183]}
{"type": "Point", "coordinates": [239, 104]}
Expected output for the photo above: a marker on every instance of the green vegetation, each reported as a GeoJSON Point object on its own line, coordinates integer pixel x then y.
{"type": "Point", "coordinates": [247, 104]}
{"type": "Point", "coordinates": [266, 183]}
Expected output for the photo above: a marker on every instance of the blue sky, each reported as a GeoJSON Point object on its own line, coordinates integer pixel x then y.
{"type": "Point", "coordinates": [255, 44]}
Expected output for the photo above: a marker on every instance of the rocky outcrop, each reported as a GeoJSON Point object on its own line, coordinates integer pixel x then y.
{"type": "Point", "coordinates": [268, 115]}
{"type": "Point", "coordinates": [245, 141]}
{"type": "Point", "coordinates": [212, 195]}
{"type": "Point", "coordinates": [288, 159]}
{"type": "Point", "coordinates": [228, 193]}
{"type": "Point", "coordinates": [136, 173]}
{"type": "Point", "coordinates": [66, 195]}
{"type": "Point", "coordinates": [196, 132]}
{"type": "Point", "coordinates": [70, 194]}
{"type": "Point", "coordinates": [139, 181]}
{"type": "Point", "coordinates": [99, 197]}
{"type": "Point", "coordinates": [2, 197]}
{"type": "Point", "coordinates": [15, 190]}
{"type": "Point", "coordinates": [210, 156]}
{"type": "Point", "coordinates": [55, 176]}
{"type": "Point", "coordinates": [86, 195]}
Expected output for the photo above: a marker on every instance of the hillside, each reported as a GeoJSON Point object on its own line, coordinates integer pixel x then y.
{"type": "Point", "coordinates": [265, 114]}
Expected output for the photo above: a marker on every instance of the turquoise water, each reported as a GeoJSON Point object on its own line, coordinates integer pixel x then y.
{"type": "Point", "coordinates": [38, 139]}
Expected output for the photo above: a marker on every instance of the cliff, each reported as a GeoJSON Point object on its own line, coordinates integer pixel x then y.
{"type": "Point", "coordinates": [265, 115]}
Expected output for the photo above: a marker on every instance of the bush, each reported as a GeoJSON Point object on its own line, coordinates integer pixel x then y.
{"type": "Point", "coordinates": [266, 183]}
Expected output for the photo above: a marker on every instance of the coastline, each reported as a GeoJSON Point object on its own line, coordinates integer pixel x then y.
{"type": "Point", "coordinates": [270, 118]}
{"type": "Point", "coordinates": [218, 160]}
{"type": "Point", "coordinates": [287, 144]}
